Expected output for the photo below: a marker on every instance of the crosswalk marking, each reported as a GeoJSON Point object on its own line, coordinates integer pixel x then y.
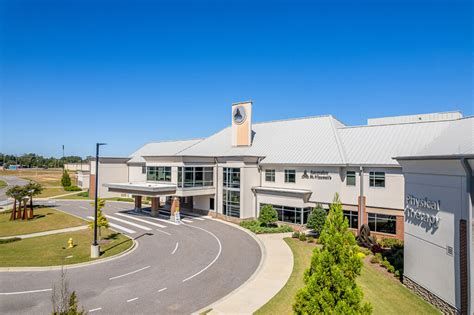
{"type": "Point", "coordinates": [141, 220]}
{"type": "Point", "coordinates": [129, 223]}
{"type": "Point", "coordinates": [118, 227]}
{"type": "Point", "coordinates": [186, 220]}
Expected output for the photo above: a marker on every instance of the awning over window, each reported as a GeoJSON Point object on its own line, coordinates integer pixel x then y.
{"type": "Point", "coordinates": [287, 192]}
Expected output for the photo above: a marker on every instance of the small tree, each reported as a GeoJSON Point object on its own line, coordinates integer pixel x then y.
{"type": "Point", "coordinates": [15, 192]}
{"type": "Point", "coordinates": [33, 189]}
{"type": "Point", "coordinates": [65, 180]}
{"type": "Point", "coordinates": [102, 221]}
{"type": "Point", "coordinates": [316, 219]}
{"type": "Point", "coordinates": [330, 286]}
{"type": "Point", "coordinates": [268, 215]}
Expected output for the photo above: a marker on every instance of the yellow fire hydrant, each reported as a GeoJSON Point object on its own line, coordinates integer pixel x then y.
{"type": "Point", "coordinates": [70, 243]}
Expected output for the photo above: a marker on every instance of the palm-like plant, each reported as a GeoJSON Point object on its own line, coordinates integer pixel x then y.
{"type": "Point", "coordinates": [15, 192]}
{"type": "Point", "coordinates": [33, 189]}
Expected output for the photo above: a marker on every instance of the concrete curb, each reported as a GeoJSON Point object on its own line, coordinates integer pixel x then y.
{"type": "Point", "coordinates": [243, 286]}
{"type": "Point", "coordinates": [73, 266]}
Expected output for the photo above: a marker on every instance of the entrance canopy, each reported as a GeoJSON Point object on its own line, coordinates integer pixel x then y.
{"type": "Point", "coordinates": [142, 189]}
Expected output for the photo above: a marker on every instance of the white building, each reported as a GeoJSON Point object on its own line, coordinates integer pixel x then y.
{"type": "Point", "coordinates": [439, 196]}
{"type": "Point", "coordinates": [292, 164]}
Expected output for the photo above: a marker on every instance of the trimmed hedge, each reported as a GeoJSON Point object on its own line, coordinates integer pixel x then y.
{"type": "Point", "coordinates": [72, 188]}
{"type": "Point", "coordinates": [259, 228]}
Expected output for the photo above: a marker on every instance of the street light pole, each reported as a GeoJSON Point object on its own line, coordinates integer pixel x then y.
{"type": "Point", "coordinates": [95, 249]}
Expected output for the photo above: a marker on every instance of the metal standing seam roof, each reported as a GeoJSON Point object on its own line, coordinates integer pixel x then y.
{"type": "Point", "coordinates": [164, 148]}
{"type": "Point", "coordinates": [323, 140]}
{"type": "Point", "coordinates": [311, 140]}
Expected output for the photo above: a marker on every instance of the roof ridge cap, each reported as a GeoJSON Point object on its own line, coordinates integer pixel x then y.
{"type": "Point", "coordinates": [340, 148]}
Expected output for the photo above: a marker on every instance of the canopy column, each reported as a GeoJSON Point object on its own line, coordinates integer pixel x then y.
{"type": "Point", "coordinates": [155, 206]}
{"type": "Point", "coordinates": [138, 203]}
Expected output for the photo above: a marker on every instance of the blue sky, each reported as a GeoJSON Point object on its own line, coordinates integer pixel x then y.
{"type": "Point", "coordinates": [131, 72]}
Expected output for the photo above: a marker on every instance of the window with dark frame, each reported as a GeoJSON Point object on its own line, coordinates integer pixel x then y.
{"type": "Point", "coordinates": [350, 178]}
{"type": "Point", "coordinates": [290, 176]}
{"type": "Point", "coordinates": [382, 223]}
{"type": "Point", "coordinates": [158, 173]}
{"type": "Point", "coordinates": [352, 218]}
{"type": "Point", "coordinates": [269, 175]}
{"type": "Point", "coordinates": [377, 179]}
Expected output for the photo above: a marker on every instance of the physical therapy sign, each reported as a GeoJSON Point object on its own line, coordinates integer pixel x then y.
{"type": "Point", "coordinates": [423, 209]}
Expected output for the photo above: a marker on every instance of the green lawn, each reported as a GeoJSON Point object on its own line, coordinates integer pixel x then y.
{"type": "Point", "coordinates": [52, 250]}
{"type": "Point", "coordinates": [45, 219]}
{"type": "Point", "coordinates": [386, 295]}
{"type": "Point", "coordinates": [76, 197]}
{"type": "Point", "coordinates": [51, 192]}
{"type": "Point", "coordinates": [2, 184]}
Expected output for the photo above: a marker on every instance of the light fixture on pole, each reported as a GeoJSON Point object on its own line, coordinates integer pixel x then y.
{"type": "Point", "coordinates": [95, 249]}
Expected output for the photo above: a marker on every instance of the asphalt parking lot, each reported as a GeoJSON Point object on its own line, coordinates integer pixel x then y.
{"type": "Point", "coordinates": [176, 269]}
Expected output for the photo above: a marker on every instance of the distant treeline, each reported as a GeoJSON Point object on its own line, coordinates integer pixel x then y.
{"type": "Point", "coordinates": [33, 160]}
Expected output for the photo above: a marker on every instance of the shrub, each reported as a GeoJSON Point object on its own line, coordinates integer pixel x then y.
{"type": "Point", "coordinates": [302, 237]}
{"type": "Point", "coordinates": [296, 234]}
{"type": "Point", "coordinates": [268, 215]}
{"type": "Point", "coordinates": [258, 228]}
{"type": "Point", "coordinates": [9, 240]}
{"type": "Point", "coordinates": [330, 282]}
{"type": "Point", "coordinates": [316, 219]}
{"type": "Point", "coordinates": [72, 188]}
{"type": "Point", "coordinates": [83, 194]}
{"type": "Point", "coordinates": [390, 242]}
{"type": "Point", "coordinates": [310, 239]}
{"type": "Point", "coordinates": [65, 179]}
{"type": "Point", "coordinates": [361, 255]}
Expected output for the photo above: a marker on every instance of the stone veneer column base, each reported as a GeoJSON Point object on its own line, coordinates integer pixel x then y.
{"type": "Point", "coordinates": [431, 298]}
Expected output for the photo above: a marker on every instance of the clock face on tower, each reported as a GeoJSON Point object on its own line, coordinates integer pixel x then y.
{"type": "Point", "coordinates": [239, 114]}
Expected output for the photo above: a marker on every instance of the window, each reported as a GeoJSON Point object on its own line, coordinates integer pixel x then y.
{"type": "Point", "coordinates": [159, 173]}
{"type": "Point", "coordinates": [143, 169]}
{"type": "Point", "coordinates": [382, 223]}
{"type": "Point", "coordinates": [195, 176]}
{"type": "Point", "coordinates": [290, 176]}
{"type": "Point", "coordinates": [377, 179]}
{"type": "Point", "coordinates": [231, 192]}
{"type": "Point", "coordinates": [350, 178]}
{"type": "Point", "coordinates": [293, 215]}
{"type": "Point", "coordinates": [353, 218]}
{"type": "Point", "coordinates": [269, 175]}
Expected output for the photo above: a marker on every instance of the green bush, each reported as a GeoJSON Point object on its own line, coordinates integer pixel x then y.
{"type": "Point", "coordinates": [390, 242]}
{"type": "Point", "coordinates": [316, 219]}
{"type": "Point", "coordinates": [295, 234]}
{"type": "Point", "coordinates": [9, 240]}
{"type": "Point", "coordinates": [302, 237]}
{"type": "Point", "coordinates": [65, 179]}
{"type": "Point", "coordinates": [268, 215]}
{"type": "Point", "coordinates": [258, 228]}
{"type": "Point", "coordinates": [83, 194]}
{"type": "Point", "coordinates": [125, 199]}
{"type": "Point", "coordinates": [72, 188]}
{"type": "Point", "coordinates": [310, 239]}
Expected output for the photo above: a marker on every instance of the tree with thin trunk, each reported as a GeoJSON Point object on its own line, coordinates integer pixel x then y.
{"type": "Point", "coordinates": [33, 189]}
{"type": "Point", "coordinates": [15, 193]}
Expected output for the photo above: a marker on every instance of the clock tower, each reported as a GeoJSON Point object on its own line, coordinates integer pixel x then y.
{"type": "Point", "coordinates": [242, 124]}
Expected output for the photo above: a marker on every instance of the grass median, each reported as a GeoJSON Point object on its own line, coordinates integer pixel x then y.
{"type": "Point", "coordinates": [45, 219]}
{"type": "Point", "coordinates": [52, 250]}
{"type": "Point", "coordinates": [3, 184]}
{"type": "Point", "coordinates": [387, 296]}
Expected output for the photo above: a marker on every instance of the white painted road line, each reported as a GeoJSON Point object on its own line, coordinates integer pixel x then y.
{"type": "Point", "coordinates": [213, 261]}
{"type": "Point", "coordinates": [200, 219]}
{"type": "Point", "coordinates": [116, 226]}
{"type": "Point", "coordinates": [163, 220]}
{"type": "Point", "coordinates": [175, 249]}
{"type": "Point", "coordinates": [131, 300]}
{"type": "Point", "coordinates": [129, 273]}
{"type": "Point", "coordinates": [85, 208]}
{"type": "Point", "coordinates": [129, 223]}
{"type": "Point", "coordinates": [140, 220]}
{"type": "Point", "coordinates": [186, 220]}
{"type": "Point", "coordinates": [25, 292]}
{"type": "Point", "coordinates": [95, 309]}
{"type": "Point", "coordinates": [161, 290]}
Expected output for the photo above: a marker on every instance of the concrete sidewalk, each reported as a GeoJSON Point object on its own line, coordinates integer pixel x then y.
{"type": "Point", "coordinates": [71, 229]}
{"type": "Point", "coordinates": [272, 275]}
